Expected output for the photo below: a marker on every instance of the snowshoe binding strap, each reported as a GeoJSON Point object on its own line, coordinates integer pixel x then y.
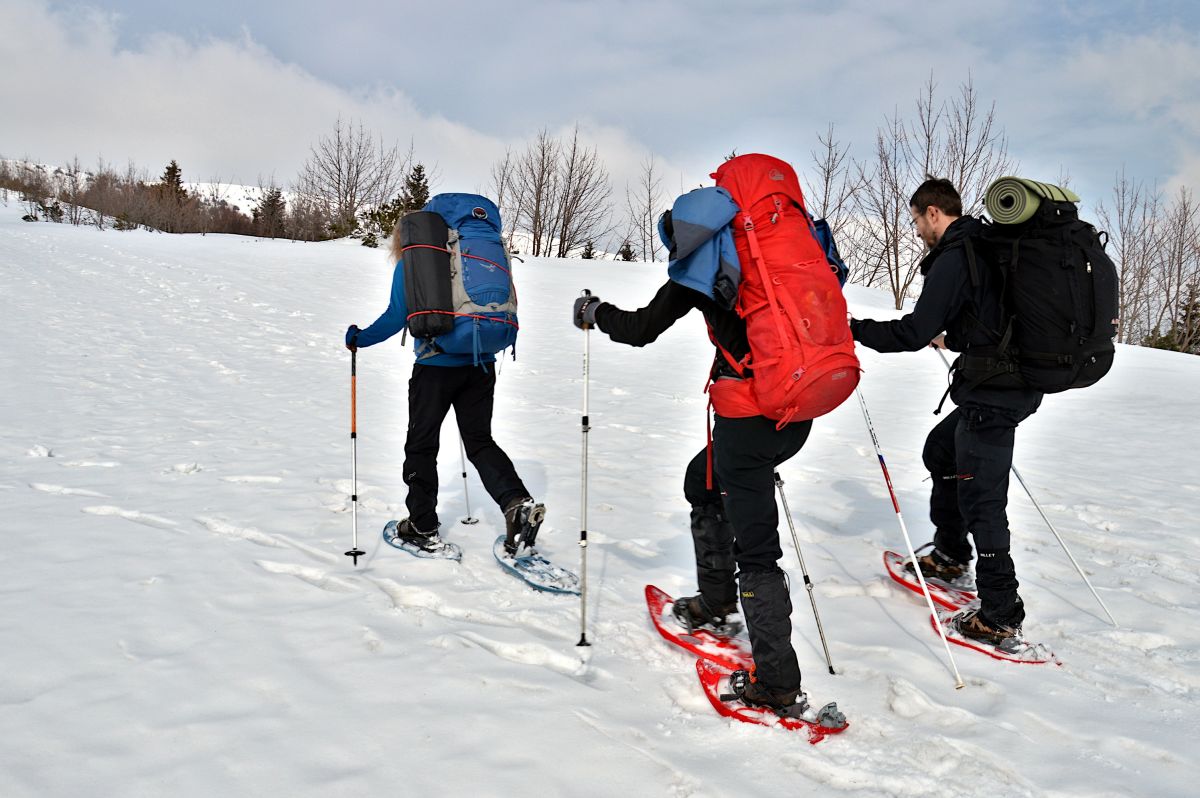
{"type": "Point", "coordinates": [738, 681]}
{"type": "Point", "coordinates": [702, 618]}
{"type": "Point", "coordinates": [828, 716]}
{"type": "Point", "coordinates": [527, 520]}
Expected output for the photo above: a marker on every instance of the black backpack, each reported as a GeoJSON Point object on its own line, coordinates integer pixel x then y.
{"type": "Point", "coordinates": [1059, 295]}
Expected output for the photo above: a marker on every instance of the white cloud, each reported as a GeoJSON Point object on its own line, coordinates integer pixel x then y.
{"type": "Point", "coordinates": [222, 108]}
{"type": "Point", "coordinates": [687, 81]}
{"type": "Point", "coordinates": [1151, 75]}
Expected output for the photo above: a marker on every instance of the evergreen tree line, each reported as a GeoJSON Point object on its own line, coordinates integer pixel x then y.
{"type": "Point", "coordinates": [347, 187]}
{"type": "Point", "coordinates": [127, 200]}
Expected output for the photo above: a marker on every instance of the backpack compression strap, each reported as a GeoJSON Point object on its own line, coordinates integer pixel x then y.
{"type": "Point", "coordinates": [512, 287]}
{"type": "Point", "coordinates": [991, 367]}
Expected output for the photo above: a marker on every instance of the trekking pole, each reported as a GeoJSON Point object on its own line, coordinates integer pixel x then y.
{"type": "Point", "coordinates": [808, 585]}
{"type": "Point", "coordinates": [354, 552]}
{"type": "Point", "coordinates": [583, 641]}
{"type": "Point", "coordinates": [1064, 548]}
{"type": "Point", "coordinates": [462, 455]}
{"type": "Point", "coordinates": [958, 682]}
{"type": "Point", "coordinates": [1057, 536]}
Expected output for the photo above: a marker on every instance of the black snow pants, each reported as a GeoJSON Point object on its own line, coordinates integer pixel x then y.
{"type": "Point", "coordinates": [969, 454]}
{"type": "Point", "coordinates": [736, 525]}
{"type": "Point", "coordinates": [470, 390]}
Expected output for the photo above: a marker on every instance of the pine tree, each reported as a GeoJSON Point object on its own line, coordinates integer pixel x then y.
{"type": "Point", "coordinates": [415, 193]}
{"type": "Point", "coordinates": [625, 252]}
{"type": "Point", "coordinates": [589, 251]}
{"type": "Point", "coordinates": [172, 183]}
{"type": "Point", "coordinates": [1186, 328]}
{"type": "Point", "coordinates": [1184, 333]}
{"type": "Point", "coordinates": [269, 215]}
{"type": "Point", "coordinates": [378, 224]}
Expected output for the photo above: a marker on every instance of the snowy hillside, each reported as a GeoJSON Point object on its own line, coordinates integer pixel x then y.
{"type": "Point", "coordinates": [179, 618]}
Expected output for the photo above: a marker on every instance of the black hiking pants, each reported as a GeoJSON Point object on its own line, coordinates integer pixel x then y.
{"type": "Point", "coordinates": [470, 390]}
{"type": "Point", "coordinates": [735, 524]}
{"type": "Point", "coordinates": [969, 454]}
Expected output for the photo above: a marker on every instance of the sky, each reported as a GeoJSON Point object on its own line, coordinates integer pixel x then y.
{"type": "Point", "coordinates": [1081, 90]}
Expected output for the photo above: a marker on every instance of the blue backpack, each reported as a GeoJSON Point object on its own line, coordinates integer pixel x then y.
{"type": "Point", "coordinates": [457, 276]}
{"type": "Point", "coordinates": [824, 236]}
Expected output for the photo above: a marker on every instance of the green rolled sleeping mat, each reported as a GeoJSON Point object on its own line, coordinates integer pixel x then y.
{"type": "Point", "coordinates": [1012, 200]}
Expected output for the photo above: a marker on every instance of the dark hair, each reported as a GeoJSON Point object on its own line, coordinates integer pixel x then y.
{"type": "Point", "coordinates": [940, 193]}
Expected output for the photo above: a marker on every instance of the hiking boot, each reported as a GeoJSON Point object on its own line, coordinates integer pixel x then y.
{"type": "Point", "coordinates": [425, 541]}
{"type": "Point", "coordinates": [752, 693]}
{"type": "Point", "coordinates": [522, 519]}
{"type": "Point", "coordinates": [936, 565]}
{"type": "Point", "coordinates": [693, 614]}
{"type": "Point", "coordinates": [972, 623]}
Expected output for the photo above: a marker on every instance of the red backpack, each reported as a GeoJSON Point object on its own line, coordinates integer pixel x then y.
{"type": "Point", "coordinates": [801, 351]}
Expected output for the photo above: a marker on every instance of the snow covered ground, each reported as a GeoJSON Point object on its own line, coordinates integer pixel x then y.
{"type": "Point", "coordinates": [179, 619]}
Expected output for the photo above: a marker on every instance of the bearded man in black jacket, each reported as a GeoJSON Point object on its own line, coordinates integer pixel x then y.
{"type": "Point", "coordinates": [969, 453]}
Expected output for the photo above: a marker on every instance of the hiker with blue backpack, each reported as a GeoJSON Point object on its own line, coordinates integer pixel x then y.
{"type": "Point", "coordinates": [452, 291]}
{"type": "Point", "coordinates": [771, 301]}
{"type": "Point", "coordinates": [1029, 301]}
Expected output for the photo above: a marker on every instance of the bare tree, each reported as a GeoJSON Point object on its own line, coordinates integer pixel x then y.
{"type": "Point", "coordinates": [582, 210]}
{"type": "Point", "coordinates": [102, 193]}
{"type": "Point", "coordinates": [503, 186]}
{"type": "Point", "coordinates": [1178, 270]}
{"type": "Point", "coordinates": [835, 198]}
{"type": "Point", "coordinates": [889, 251]}
{"type": "Point", "coordinates": [555, 194]}
{"type": "Point", "coordinates": [349, 171]}
{"type": "Point", "coordinates": [976, 149]}
{"type": "Point", "coordinates": [72, 191]}
{"type": "Point", "coordinates": [955, 140]}
{"type": "Point", "coordinates": [212, 198]}
{"type": "Point", "coordinates": [643, 206]}
{"type": "Point", "coordinates": [1132, 225]}
{"type": "Point", "coordinates": [536, 190]}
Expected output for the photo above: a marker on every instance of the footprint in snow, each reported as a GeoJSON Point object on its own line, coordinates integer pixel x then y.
{"type": "Point", "coordinates": [313, 576]}
{"type": "Point", "coordinates": [227, 529]}
{"type": "Point", "coordinates": [526, 653]}
{"type": "Point", "coordinates": [65, 491]}
{"type": "Point", "coordinates": [132, 515]}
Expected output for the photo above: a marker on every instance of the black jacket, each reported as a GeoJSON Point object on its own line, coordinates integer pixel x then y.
{"type": "Point", "coordinates": [970, 312]}
{"type": "Point", "coordinates": [671, 303]}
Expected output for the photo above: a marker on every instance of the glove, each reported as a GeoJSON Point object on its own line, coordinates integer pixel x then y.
{"type": "Point", "coordinates": [584, 316]}
{"type": "Point", "coordinates": [352, 337]}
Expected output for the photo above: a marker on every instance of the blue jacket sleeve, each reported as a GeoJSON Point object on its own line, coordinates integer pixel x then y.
{"type": "Point", "coordinates": [394, 319]}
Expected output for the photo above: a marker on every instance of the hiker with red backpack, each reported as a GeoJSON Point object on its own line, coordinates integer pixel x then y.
{"type": "Point", "coordinates": [458, 325]}
{"type": "Point", "coordinates": [745, 253]}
